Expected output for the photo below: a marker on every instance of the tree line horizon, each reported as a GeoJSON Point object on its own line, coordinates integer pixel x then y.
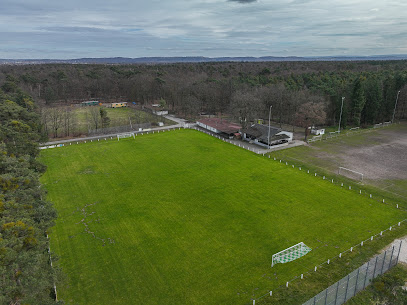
{"type": "Point", "coordinates": [300, 93]}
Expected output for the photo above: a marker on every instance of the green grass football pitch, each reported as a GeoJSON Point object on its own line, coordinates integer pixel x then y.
{"type": "Point", "coordinates": [183, 218]}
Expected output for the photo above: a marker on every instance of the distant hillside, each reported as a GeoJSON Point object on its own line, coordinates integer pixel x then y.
{"type": "Point", "coordinates": [192, 59]}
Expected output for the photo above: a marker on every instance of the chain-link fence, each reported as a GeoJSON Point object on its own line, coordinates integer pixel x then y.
{"type": "Point", "coordinates": [350, 285]}
{"type": "Point", "coordinates": [118, 129]}
{"type": "Point", "coordinates": [335, 134]}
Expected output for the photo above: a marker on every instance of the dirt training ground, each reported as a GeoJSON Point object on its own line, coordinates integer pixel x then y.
{"type": "Point", "coordinates": [380, 154]}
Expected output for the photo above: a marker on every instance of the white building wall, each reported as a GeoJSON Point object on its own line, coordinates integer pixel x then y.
{"type": "Point", "coordinates": [210, 128]}
{"type": "Point", "coordinates": [160, 112]}
{"type": "Point", "coordinates": [290, 134]}
{"type": "Point", "coordinates": [318, 131]}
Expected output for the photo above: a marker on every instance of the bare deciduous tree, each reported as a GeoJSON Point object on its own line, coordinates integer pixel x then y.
{"type": "Point", "coordinates": [94, 117]}
{"type": "Point", "coordinates": [310, 113]}
{"type": "Point", "coordinates": [246, 106]}
{"type": "Point", "coordinates": [55, 120]}
{"type": "Point", "coordinates": [68, 121]}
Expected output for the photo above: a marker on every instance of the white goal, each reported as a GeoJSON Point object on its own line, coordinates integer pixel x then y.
{"type": "Point", "coordinates": [350, 173]}
{"type": "Point", "coordinates": [125, 135]}
{"type": "Point", "coordinates": [290, 254]}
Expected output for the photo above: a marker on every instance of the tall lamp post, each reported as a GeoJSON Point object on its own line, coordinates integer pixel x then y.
{"type": "Point", "coordinates": [395, 105]}
{"type": "Point", "coordinates": [268, 138]}
{"type": "Point", "coordinates": [340, 117]}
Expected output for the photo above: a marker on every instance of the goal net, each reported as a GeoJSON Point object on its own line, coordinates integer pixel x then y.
{"type": "Point", "coordinates": [290, 254]}
{"type": "Point", "coordinates": [125, 135]}
{"type": "Point", "coordinates": [350, 173]}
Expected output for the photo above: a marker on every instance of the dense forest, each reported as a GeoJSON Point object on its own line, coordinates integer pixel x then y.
{"type": "Point", "coordinates": [299, 93]}
{"type": "Point", "coordinates": [26, 276]}
{"type": "Point", "coordinates": [243, 90]}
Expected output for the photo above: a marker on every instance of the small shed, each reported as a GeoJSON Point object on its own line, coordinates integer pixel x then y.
{"type": "Point", "coordinates": [317, 131]}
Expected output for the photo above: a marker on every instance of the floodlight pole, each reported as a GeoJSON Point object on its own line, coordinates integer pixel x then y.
{"type": "Point", "coordinates": [340, 116]}
{"type": "Point", "coordinates": [395, 105]}
{"type": "Point", "coordinates": [268, 138]}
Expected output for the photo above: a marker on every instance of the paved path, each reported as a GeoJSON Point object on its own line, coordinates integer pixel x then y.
{"type": "Point", "coordinates": [403, 250]}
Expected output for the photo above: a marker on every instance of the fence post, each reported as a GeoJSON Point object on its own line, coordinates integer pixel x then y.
{"type": "Point", "coordinates": [391, 257]}
{"type": "Point", "coordinates": [315, 300]}
{"type": "Point", "coordinates": [398, 255]}
{"type": "Point", "coordinates": [375, 264]}
{"type": "Point", "coordinates": [336, 293]}
{"type": "Point", "coordinates": [384, 260]}
{"type": "Point", "coordinates": [356, 284]}
{"type": "Point", "coordinates": [346, 291]}
{"type": "Point", "coordinates": [367, 273]}
{"type": "Point", "coordinates": [326, 295]}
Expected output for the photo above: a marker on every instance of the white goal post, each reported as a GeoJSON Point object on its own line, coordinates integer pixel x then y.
{"type": "Point", "coordinates": [350, 173]}
{"type": "Point", "coordinates": [125, 135]}
{"type": "Point", "coordinates": [290, 254]}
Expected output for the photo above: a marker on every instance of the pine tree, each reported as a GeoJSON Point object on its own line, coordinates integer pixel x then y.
{"type": "Point", "coordinates": [374, 99]}
{"type": "Point", "coordinates": [358, 100]}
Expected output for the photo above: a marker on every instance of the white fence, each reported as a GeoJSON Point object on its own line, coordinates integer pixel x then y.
{"type": "Point", "coordinates": [51, 146]}
{"type": "Point", "coordinates": [107, 137]}
{"type": "Point", "coordinates": [335, 134]}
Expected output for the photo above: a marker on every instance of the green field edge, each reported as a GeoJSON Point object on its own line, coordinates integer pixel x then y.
{"type": "Point", "coordinates": [314, 282]}
{"type": "Point", "coordinates": [300, 291]}
{"type": "Point", "coordinates": [378, 194]}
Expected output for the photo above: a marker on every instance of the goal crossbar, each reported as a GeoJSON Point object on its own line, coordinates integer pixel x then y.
{"type": "Point", "coordinates": [349, 170]}
{"type": "Point", "coordinates": [290, 254]}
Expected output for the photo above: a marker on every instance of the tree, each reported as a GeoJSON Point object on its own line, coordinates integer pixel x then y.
{"type": "Point", "coordinates": [56, 120]}
{"type": "Point", "coordinates": [162, 103]}
{"type": "Point", "coordinates": [358, 100]}
{"type": "Point", "coordinates": [49, 95]}
{"type": "Point", "coordinates": [25, 217]}
{"type": "Point", "coordinates": [310, 114]}
{"type": "Point", "coordinates": [68, 118]}
{"type": "Point", "coordinates": [19, 129]}
{"type": "Point", "coordinates": [104, 118]}
{"type": "Point", "coordinates": [245, 106]}
{"type": "Point", "coordinates": [373, 100]}
{"type": "Point", "coordinates": [93, 116]}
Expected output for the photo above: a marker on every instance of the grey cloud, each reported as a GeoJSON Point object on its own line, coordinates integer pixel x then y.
{"type": "Point", "coordinates": [243, 1]}
{"type": "Point", "coordinates": [208, 28]}
{"type": "Point", "coordinates": [72, 29]}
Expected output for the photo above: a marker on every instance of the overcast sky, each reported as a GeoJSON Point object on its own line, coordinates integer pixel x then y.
{"type": "Point", "coordinates": [214, 28]}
